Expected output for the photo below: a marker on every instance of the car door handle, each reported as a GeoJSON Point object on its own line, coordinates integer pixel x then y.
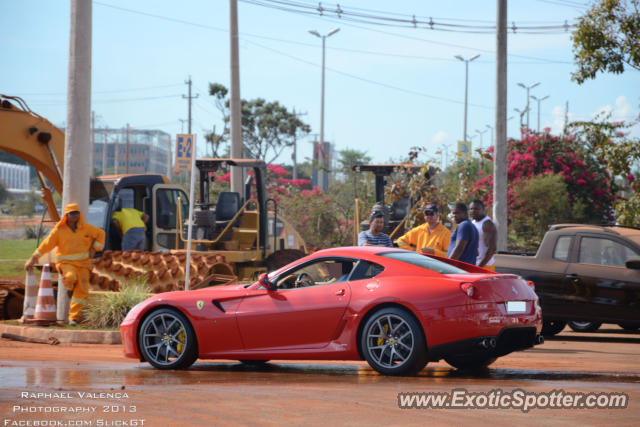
{"type": "Point", "coordinates": [573, 277]}
{"type": "Point", "coordinates": [340, 292]}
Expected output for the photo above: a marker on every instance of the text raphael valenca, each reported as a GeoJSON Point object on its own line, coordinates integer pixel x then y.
{"type": "Point", "coordinates": [73, 395]}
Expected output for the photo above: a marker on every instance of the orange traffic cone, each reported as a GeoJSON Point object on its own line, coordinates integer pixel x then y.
{"type": "Point", "coordinates": [46, 305]}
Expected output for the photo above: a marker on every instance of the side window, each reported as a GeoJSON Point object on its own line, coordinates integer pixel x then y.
{"type": "Point", "coordinates": [322, 272]}
{"type": "Point", "coordinates": [595, 250]}
{"type": "Point", "coordinates": [366, 270]}
{"type": "Point", "coordinates": [127, 197]}
{"type": "Point", "coordinates": [561, 251]}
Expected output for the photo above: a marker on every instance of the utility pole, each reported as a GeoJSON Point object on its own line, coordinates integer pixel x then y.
{"type": "Point", "coordinates": [234, 101]}
{"type": "Point", "coordinates": [92, 134]}
{"type": "Point", "coordinates": [189, 98]}
{"type": "Point", "coordinates": [126, 156]}
{"type": "Point", "coordinates": [104, 154]}
{"type": "Point", "coordinates": [566, 118]}
{"type": "Point", "coordinates": [75, 187]}
{"type": "Point", "coordinates": [294, 156]}
{"type": "Point", "coordinates": [500, 157]}
{"type": "Point", "coordinates": [116, 156]}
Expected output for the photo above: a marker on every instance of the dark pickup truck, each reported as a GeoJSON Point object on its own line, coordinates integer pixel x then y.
{"type": "Point", "coordinates": [585, 275]}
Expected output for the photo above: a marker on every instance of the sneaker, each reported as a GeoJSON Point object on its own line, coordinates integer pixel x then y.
{"type": "Point", "coordinates": [73, 323]}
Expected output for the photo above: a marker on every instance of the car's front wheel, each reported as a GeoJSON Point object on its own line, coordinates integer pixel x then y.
{"type": "Point", "coordinates": [167, 340]}
{"type": "Point", "coordinates": [584, 326]}
{"type": "Point", "coordinates": [392, 342]}
{"type": "Point", "coordinates": [552, 327]}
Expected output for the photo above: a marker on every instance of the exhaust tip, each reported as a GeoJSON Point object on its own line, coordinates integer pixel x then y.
{"type": "Point", "coordinates": [492, 342]}
{"type": "Point", "coordinates": [539, 339]}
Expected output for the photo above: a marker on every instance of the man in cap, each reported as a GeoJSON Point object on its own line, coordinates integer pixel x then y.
{"type": "Point", "coordinates": [75, 242]}
{"type": "Point", "coordinates": [429, 238]}
{"type": "Point", "coordinates": [374, 235]}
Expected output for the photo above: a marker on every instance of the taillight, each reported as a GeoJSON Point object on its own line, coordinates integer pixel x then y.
{"type": "Point", "coordinates": [468, 289]}
{"type": "Point", "coordinates": [531, 285]}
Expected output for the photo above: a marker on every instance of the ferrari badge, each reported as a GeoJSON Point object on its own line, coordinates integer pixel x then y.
{"type": "Point", "coordinates": [200, 304]}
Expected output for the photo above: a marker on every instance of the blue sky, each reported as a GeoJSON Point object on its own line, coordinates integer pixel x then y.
{"type": "Point", "coordinates": [387, 88]}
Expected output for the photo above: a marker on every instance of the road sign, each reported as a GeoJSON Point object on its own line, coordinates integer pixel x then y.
{"type": "Point", "coordinates": [464, 149]}
{"type": "Point", "coordinates": [184, 152]}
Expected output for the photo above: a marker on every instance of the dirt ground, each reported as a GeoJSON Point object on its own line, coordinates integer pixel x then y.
{"type": "Point", "coordinates": [312, 392]}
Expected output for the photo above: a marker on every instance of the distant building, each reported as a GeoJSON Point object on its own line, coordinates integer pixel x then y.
{"type": "Point", "coordinates": [149, 151]}
{"type": "Point", "coordinates": [16, 178]}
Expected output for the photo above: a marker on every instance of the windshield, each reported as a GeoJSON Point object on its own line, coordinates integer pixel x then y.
{"type": "Point", "coordinates": [429, 263]}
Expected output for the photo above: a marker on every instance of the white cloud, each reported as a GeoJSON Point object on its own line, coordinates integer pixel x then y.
{"type": "Point", "coordinates": [440, 137]}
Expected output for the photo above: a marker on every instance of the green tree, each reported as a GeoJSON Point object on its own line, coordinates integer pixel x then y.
{"type": "Point", "coordinates": [542, 200]}
{"type": "Point", "coordinates": [611, 145]}
{"type": "Point", "coordinates": [267, 127]}
{"type": "Point", "coordinates": [606, 39]}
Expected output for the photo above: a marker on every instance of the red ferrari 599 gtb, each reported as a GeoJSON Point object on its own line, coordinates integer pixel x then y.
{"type": "Point", "coordinates": [396, 309]}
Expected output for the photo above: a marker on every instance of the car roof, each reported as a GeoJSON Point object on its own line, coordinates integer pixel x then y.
{"type": "Point", "coordinates": [356, 251]}
{"type": "Point", "coordinates": [620, 230]}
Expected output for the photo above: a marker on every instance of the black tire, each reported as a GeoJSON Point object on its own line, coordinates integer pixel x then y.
{"type": "Point", "coordinates": [393, 343]}
{"type": "Point", "coordinates": [470, 363]}
{"type": "Point", "coordinates": [552, 327]}
{"type": "Point", "coordinates": [167, 341]}
{"type": "Point", "coordinates": [584, 326]}
{"type": "Point", "coordinates": [629, 326]}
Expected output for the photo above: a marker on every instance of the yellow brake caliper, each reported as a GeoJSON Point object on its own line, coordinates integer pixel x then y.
{"type": "Point", "coordinates": [381, 339]}
{"type": "Point", "coordinates": [180, 347]}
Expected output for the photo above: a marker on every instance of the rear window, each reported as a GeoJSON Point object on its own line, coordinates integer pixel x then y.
{"type": "Point", "coordinates": [429, 263]}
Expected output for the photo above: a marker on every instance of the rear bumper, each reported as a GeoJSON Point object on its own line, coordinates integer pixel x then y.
{"type": "Point", "coordinates": [508, 340]}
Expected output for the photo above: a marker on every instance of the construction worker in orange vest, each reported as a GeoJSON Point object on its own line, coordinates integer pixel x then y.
{"type": "Point", "coordinates": [76, 242]}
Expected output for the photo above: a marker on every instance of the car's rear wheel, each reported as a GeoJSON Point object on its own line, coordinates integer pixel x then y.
{"type": "Point", "coordinates": [470, 363]}
{"type": "Point", "coordinates": [629, 326]}
{"type": "Point", "coordinates": [167, 340]}
{"type": "Point", "coordinates": [392, 342]}
{"type": "Point", "coordinates": [584, 326]}
{"type": "Point", "coordinates": [552, 327]}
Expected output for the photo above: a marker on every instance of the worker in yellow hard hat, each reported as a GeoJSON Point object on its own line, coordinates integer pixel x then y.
{"type": "Point", "coordinates": [76, 242]}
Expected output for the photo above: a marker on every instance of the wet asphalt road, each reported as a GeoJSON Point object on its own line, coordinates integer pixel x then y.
{"type": "Point", "coordinates": [124, 392]}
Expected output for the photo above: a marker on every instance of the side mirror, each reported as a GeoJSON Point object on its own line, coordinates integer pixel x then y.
{"type": "Point", "coordinates": [264, 281]}
{"type": "Point", "coordinates": [633, 263]}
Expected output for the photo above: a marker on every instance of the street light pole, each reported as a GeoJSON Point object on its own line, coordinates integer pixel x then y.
{"type": "Point", "coordinates": [528, 88]}
{"type": "Point", "coordinates": [466, 90]}
{"type": "Point", "coordinates": [481, 132]}
{"type": "Point", "coordinates": [323, 37]}
{"type": "Point", "coordinates": [491, 141]}
{"type": "Point", "coordinates": [539, 100]}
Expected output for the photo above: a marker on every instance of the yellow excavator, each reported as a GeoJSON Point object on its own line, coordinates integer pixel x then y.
{"type": "Point", "coordinates": [236, 237]}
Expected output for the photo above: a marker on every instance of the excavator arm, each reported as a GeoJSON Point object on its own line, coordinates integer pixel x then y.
{"type": "Point", "coordinates": [36, 140]}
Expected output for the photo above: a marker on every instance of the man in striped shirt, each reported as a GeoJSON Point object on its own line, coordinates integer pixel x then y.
{"type": "Point", "coordinates": [374, 235]}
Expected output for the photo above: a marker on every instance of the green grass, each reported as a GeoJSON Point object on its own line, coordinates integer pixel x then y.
{"type": "Point", "coordinates": [19, 250]}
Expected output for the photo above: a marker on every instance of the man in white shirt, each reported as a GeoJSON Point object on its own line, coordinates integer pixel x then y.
{"type": "Point", "coordinates": [488, 235]}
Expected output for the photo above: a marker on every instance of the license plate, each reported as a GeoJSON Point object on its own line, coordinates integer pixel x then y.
{"type": "Point", "coordinates": [516, 306]}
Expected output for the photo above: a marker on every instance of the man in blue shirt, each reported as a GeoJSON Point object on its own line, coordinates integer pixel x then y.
{"type": "Point", "coordinates": [463, 245]}
{"type": "Point", "coordinates": [374, 235]}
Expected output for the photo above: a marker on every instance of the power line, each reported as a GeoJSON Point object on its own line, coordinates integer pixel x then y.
{"type": "Point", "coordinates": [331, 19]}
{"type": "Point", "coordinates": [353, 76]}
{"type": "Point", "coordinates": [398, 20]}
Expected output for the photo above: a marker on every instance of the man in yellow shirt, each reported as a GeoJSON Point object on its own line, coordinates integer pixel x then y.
{"type": "Point", "coordinates": [75, 242]}
{"type": "Point", "coordinates": [429, 238]}
{"type": "Point", "coordinates": [130, 224]}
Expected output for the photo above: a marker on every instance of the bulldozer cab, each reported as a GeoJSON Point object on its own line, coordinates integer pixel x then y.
{"type": "Point", "coordinates": [234, 221]}
{"type": "Point", "coordinates": [397, 211]}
